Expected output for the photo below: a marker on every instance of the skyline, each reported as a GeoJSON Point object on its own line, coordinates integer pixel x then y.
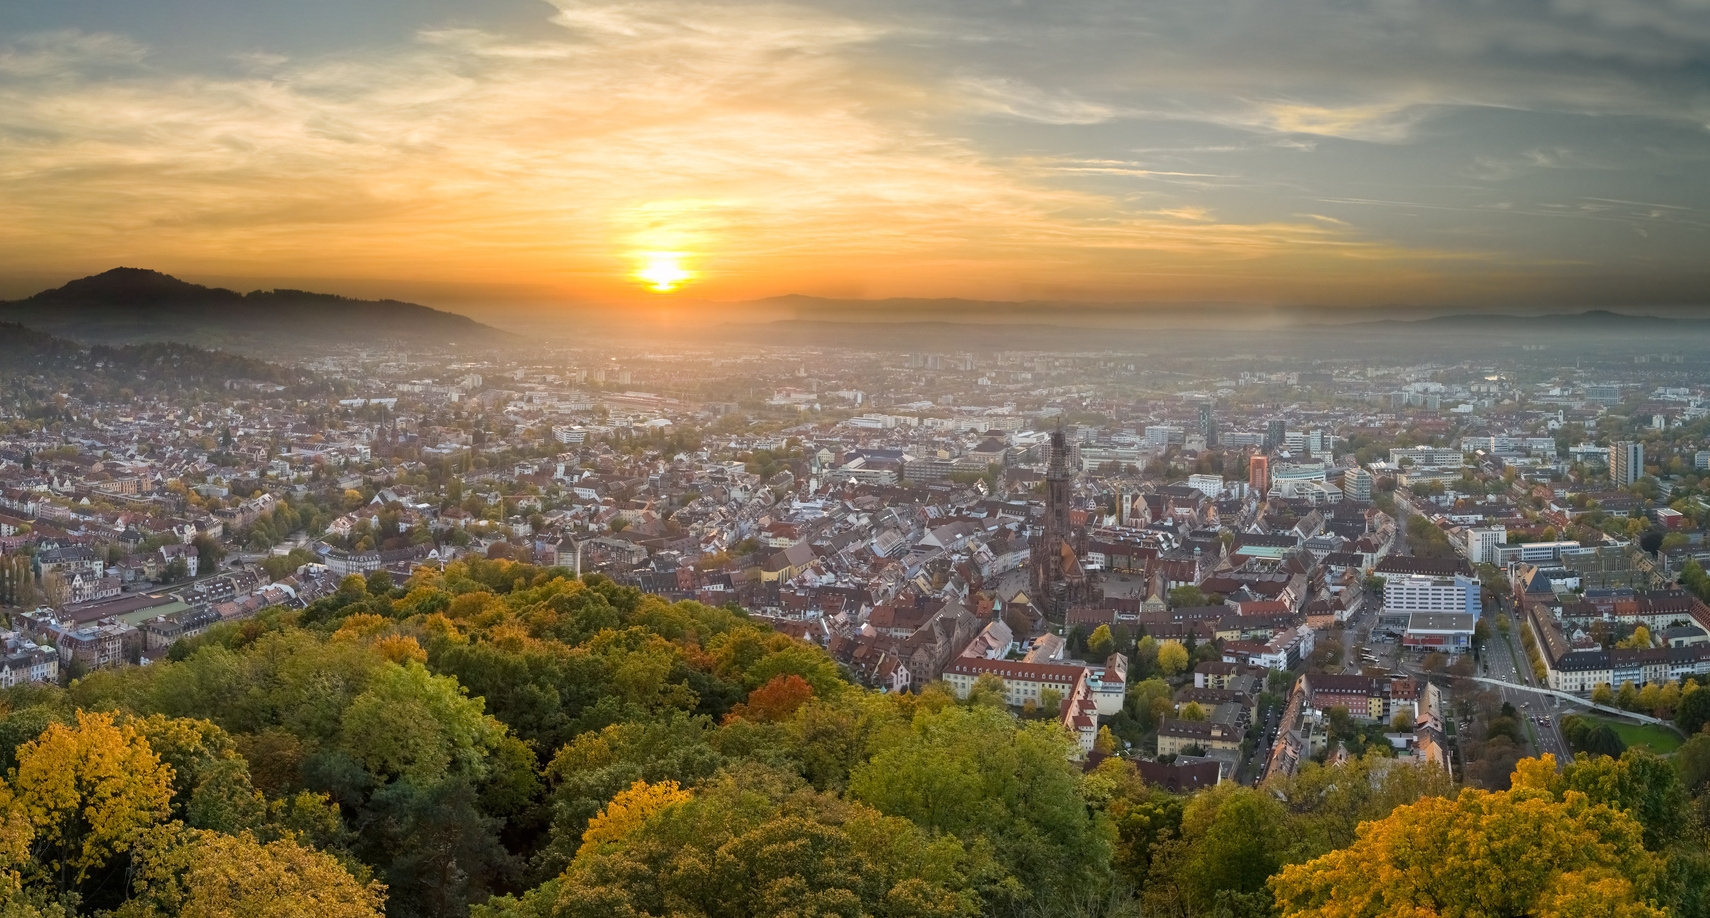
{"type": "Point", "coordinates": [528, 155]}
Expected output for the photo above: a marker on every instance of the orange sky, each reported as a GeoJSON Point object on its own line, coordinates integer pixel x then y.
{"type": "Point", "coordinates": [774, 148]}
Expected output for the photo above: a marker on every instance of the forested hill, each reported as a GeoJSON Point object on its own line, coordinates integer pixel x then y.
{"type": "Point", "coordinates": [504, 741]}
{"type": "Point", "coordinates": [136, 305]}
{"type": "Point", "coordinates": [65, 366]}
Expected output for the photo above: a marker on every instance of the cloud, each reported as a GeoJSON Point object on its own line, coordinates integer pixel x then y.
{"type": "Point", "coordinates": [929, 147]}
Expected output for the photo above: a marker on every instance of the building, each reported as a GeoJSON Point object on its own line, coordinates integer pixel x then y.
{"type": "Point", "coordinates": [1603, 395]}
{"type": "Point", "coordinates": [1448, 632]}
{"type": "Point", "coordinates": [1427, 457]}
{"type": "Point", "coordinates": [1626, 462]}
{"type": "Point", "coordinates": [1482, 543]}
{"type": "Point", "coordinates": [1276, 433]}
{"type": "Point", "coordinates": [1207, 424]}
{"type": "Point", "coordinates": [1176, 736]}
{"type": "Point", "coordinates": [1259, 475]}
{"type": "Point", "coordinates": [1209, 485]}
{"type": "Point", "coordinates": [1058, 579]}
{"type": "Point", "coordinates": [1410, 594]}
{"type": "Point", "coordinates": [1357, 485]}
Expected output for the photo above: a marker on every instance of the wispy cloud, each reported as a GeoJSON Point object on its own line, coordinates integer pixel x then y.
{"type": "Point", "coordinates": [1287, 148]}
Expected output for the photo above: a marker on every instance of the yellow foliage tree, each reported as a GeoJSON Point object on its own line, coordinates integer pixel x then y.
{"type": "Point", "coordinates": [88, 792]}
{"type": "Point", "coordinates": [1172, 657]}
{"type": "Point", "coordinates": [628, 810]}
{"type": "Point", "coordinates": [1516, 852]}
{"type": "Point", "coordinates": [400, 649]}
{"type": "Point", "coordinates": [199, 874]}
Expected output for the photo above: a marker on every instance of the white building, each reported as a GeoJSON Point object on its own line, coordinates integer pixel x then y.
{"type": "Point", "coordinates": [1209, 485]}
{"type": "Point", "coordinates": [1414, 593]}
{"type": "Point", "coordinates": [1482, 543]}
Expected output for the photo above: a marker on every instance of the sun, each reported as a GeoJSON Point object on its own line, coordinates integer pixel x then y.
{"type": "Point", "coordinates": [663, 271]}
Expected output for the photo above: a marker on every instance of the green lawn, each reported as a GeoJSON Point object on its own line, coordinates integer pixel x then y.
{"type": "Point", "coordinates": [1659, 740]}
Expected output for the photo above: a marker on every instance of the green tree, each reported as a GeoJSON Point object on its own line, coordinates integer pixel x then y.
{"type": "Point", "coordinates": [1694, 711]}
{"type": "Point", "coordinates": [1187, 596]}
{"type": "Point", "coordinates": [418, 727]}
{"type": "Point", "coordinates": [757, 843]}
{"type": "Point", "coordinates": [1232, 839]}
{"type": "Point", "coordinates": [977, 774]}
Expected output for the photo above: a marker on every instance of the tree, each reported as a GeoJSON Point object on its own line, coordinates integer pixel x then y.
{"type": "Point", "coordinates": [1639, 639]}
{"type": "Point", "coordinates": [209, 553]}
{"type": "Point", "coordinates": [1147, 702]}
{"type": "Point", "coordinates": [176, 570]}
{"type": "Point", "coordinates": [1516, 852]}
{"type": "Point", "coordinates": [1192, 711]}
{"type": "Point", "coordinates": [1187, 596]}
{"type": "Point", "coordinates": [55, 590]}
{"type": "Point", "coordinates": [1694, 711]}
{"type": "Point", "coordinates": [629, 811]}
{"type": "Point", "coordinates": [1172, 657]}
{"type": "Point", "coordinates": [757, 843]}
{"type": "Point", "coordinates": [1602, 694]}
{"type": "Point", "coordinates": [201, 874]}
{"type": "Point", "coordinates": [978, 774]}
{"type": "Point", "coordinates": [416, 726]}
{"type": "Point", "coordinates": [1101, 644]}
{"type": "Point", "coordinates": [1232, 839]}
{"type": "Point", "coordinates": [89, 792]}
{"type": "Point", "coordinates": [776, 700]}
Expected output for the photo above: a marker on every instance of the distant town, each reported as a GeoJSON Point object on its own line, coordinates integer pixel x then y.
{"type": "Point", "coordinates": [1220, 569]}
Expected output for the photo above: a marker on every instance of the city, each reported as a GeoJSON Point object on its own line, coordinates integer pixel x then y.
{"type": "Point", "coordinates": [854, 459]}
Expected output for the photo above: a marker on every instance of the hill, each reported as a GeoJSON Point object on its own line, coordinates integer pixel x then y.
{"type": "Point", "coordinates": [101, 370]}
{"type": "Point", "coordinates": [136, 305]}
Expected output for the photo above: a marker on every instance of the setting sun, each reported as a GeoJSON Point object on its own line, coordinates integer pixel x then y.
{"type": "Point", "coordinates": [663, 271]}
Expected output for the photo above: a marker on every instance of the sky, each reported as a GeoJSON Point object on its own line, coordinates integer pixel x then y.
{"type": "Point", "coordinates": [1485, 153]}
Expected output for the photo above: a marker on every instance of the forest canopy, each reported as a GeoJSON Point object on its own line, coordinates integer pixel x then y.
{"type": "Point", "coordinates": [507, 741]}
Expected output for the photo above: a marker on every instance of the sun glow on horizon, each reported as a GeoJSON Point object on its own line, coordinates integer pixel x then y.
{"type": "Point", "coordinates": [663, 272]}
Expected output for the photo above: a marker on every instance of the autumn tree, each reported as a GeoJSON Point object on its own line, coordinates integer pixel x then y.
{"type": "Point", "coordinates": [776, 700]}
{"type": "Point", "coordinates": [1516, 852]}
{"type": "Point", "coordinates": [202, 874]}
{"type": "Point", "coordinates": [1172, 657]}
{"type": "Point", "coordinates": [757, 844]}
{"type": "Point", "coordinates": [89, 791]}
{"type": "Point", "coordinates": [629, 811]}
{"type": "Point", "coordinates": [1101, 644]}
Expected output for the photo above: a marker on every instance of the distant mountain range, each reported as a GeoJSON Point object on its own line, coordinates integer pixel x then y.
{"type": "Point", "coordinates": [128, 305]}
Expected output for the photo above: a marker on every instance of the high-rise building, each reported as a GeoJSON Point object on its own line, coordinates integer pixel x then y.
{"type": "Point", "coordinates": [1259, 474]}
{"type": "Point", "coordinates": [1357, 484]}
{"type": "Point", "coordinates": [1626, 462]}
{"type": "Point", "coordinates": [1207, 424]}
{"type": "Point", "coordinates": [1275, 433]}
